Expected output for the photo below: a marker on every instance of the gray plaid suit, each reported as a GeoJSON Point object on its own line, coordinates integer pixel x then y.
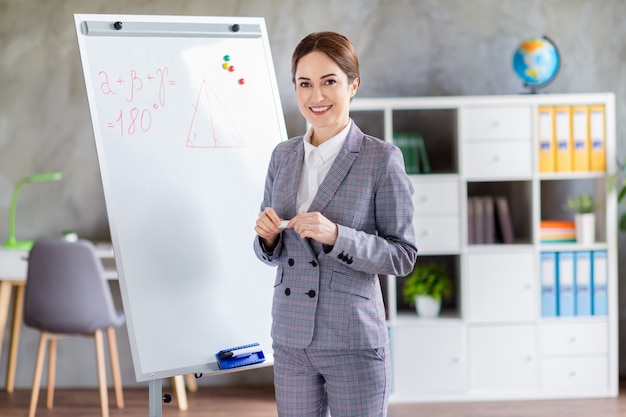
{"type": "Point", "coordinates": [329, 298]}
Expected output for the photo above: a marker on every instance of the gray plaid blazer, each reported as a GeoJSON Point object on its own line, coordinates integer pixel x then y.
{"type": "Point", "coordinates": [330, 297]}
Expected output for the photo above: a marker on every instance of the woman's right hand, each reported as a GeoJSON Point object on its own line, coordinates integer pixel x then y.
{"type": "Point", "coordinates": [267, 227]}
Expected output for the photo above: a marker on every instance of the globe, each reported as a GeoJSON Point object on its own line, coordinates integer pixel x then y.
{"type": "Point", "coordinates": [536, 61]}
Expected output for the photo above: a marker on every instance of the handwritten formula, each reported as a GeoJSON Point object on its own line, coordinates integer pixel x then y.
{"type": "Point", "coordinates": [133, 88]}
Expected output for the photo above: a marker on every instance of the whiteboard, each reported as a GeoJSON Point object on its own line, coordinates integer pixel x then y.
{"type": "Point", "coordinates": [185, 114]}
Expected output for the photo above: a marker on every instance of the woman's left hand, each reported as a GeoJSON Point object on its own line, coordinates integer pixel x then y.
{"type": "Point", "coordinates": [315, 226]}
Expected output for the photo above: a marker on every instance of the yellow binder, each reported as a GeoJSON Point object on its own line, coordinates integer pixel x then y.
{"type": "Point", "coordinates": [580, 134]}
{"type": "Point", "coordinates": [563, 133]}
{"type": "Point", "coordinates": [547, 142]}
{"type": "Point", "coordinates": [598, 138]}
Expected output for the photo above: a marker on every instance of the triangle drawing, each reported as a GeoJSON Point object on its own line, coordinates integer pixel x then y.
{"type": "Point", "coordinates": [211, 125]}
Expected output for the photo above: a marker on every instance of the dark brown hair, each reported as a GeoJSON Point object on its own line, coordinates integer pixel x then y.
{"type": "Point", "coordinates": [336, 46]}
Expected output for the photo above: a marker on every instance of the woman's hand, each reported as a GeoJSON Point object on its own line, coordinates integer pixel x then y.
{"type": "Point", "coordinates": [266, 227]}
{"type": "Point", "coordinates": [315, 226]}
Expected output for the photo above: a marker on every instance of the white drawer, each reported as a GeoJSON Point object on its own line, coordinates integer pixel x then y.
{"type": "Point", "coordinates": [436, 197]}
{"type": "Point", "coordinates": [511, 122]}
{"type": "Point", "coordinates": [489, 159]}
{"type": "Point", "coordinates": [572, 339]}
{"type": "Point", "coordinates": [437, 232]}
{"type": "Point", "coordinates": [575, 374]}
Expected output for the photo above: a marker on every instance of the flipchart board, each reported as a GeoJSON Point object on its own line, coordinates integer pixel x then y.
{"type": "Point", "coordinates": [185, 114]}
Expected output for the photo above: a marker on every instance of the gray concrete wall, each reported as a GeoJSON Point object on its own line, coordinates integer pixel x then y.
{"type": "Point", "coordinates": [407, 48]}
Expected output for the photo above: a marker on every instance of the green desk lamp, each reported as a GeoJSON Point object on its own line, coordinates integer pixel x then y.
{"type": "Point", "coordinates": [11, 243]}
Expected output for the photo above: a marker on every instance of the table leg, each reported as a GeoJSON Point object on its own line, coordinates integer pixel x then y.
{"type": "Point", "coordinates": [181, 395]}
{"type": "Point", "coordinates": [18, 310]}
{"type": "Point", "coordinates": [5, 298]}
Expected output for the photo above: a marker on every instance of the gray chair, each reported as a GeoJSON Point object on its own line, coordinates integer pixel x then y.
{"type": "Point", "coordinates": [67, 294]}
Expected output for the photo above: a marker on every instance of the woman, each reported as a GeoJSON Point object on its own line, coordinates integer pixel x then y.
{"type": "Point", "coordinates": [348, 203]}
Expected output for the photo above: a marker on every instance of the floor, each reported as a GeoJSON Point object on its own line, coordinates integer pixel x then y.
{"type": "Point", "coordinates": [259, 402]}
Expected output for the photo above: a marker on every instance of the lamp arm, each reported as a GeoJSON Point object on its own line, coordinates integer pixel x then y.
{"type": "Point", "coordinates": [16, 191]}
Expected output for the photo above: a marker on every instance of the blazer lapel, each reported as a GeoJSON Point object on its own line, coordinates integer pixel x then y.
{"type": "Point", "coordinates": [338, 171]}
{"type": "Point", "coordinates": [293, 168]}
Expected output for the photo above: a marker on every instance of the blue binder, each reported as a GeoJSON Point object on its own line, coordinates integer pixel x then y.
{"type": "Point", "coordinates": [583, 283]}
{"type": "Point", "coordinates": [238, 356]}
{"type": "Point", "coordinates": [600, 283]}
{"type": "Point", "coordinates": [548, 285]}
{"type": "Point", "coordinates": [566, 275]}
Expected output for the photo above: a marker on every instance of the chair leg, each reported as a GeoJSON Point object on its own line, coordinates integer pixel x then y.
{"type": "Point", "coordinates": [115, 368]}
{"type": "Point", "coordinates": [192, 385]}
{"type": "Point", "coordinates": [52, 365]}
{"type": "Point", "coordinates": [102, 377]}
{"type": "Point", "coordinates": [41, 355]}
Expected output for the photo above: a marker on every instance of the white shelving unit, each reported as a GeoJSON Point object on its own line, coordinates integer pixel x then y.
{"type": "Point", "coordinates": [491, 342]}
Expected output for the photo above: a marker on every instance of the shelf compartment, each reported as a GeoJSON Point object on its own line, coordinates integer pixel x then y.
{"type": "Point", "coordinates": [555, 192]}
{"type": "Point", "coordinates": [371, 122]}
{"type": "Point", "coordinates": [438, 129]}
{"type": "Point", "coordinates": [450, 308]}
{"type": "Point", "coordinates": [517, 195]}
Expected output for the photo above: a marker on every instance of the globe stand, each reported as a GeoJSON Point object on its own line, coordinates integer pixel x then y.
{"type": "Point", "coordinates": [533, 89]}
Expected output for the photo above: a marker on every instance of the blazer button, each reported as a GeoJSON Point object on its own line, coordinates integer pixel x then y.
{"type": "Point", "coordinates": [311, 293]}
{"type": "Point", "coordinates": [287, 291]}
{"type": "Point", "coordinates": [313, 263]}
{"type": "Point", "coordinates": [290, 262]}
{"type": "Point", "coordinates": [341, 256]}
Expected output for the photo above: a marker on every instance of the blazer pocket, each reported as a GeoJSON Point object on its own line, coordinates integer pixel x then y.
{"type": "Point", "coordinates": [279, 277]}
{"type": "Point", "coordinates": [361, 285]}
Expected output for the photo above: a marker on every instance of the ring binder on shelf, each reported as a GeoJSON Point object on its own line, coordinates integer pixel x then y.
{"type": "Point", "coordinates": [240, 356]}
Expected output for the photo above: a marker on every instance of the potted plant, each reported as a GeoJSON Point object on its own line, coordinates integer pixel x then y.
{"type": "Point", "coordinates": [426, 286]}
{"type": "Point", "coordinates": [584, 217]}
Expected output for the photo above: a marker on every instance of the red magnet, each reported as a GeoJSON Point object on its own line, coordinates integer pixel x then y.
{"type": "Point", "coordinates": [231, 68]}
{"type": "Point", "coordinates": [242, 81]}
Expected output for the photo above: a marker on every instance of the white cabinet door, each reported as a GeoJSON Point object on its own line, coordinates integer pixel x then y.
{"type": "Point", "coordinates": [495, 160]}
{"type": "Point", "coordinates": [496, 123]}
{"type": "Point", "coordinates": [501, 287]}
{"type": "Point", "coordinates": [502, 358]}
{"type": "Point", "coordinates": [437, 233]}
{"type": "Point", "coordinates": [429, 359]}
{"type": "Point", "coordinates": [435, 197]}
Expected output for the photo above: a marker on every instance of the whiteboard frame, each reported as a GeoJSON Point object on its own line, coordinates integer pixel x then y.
{"type": "Point", "coordinates": [164, 26]}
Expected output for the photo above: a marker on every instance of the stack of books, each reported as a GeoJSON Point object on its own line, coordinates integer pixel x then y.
{"type": "Point", "coordinates": [489, 220]}
{"type": "Point", "coordinates": [557, 231]}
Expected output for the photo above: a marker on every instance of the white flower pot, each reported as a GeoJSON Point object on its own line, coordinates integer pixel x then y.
{"type": "Point", "coordinates": [585, 228]}
{"type": "Point", "coordinates": [427, 307]}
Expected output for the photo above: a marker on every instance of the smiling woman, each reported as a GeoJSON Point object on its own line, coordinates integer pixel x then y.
{"type": "Point", "coordinates": [350, 204]}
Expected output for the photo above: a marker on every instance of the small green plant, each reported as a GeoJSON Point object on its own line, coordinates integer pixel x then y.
{"type": "Point", "coordinates": [618, 182]}
{"type": "Point", "coordinates": [427, 279]}
{"type": "Point", "coordinates": [581, 204]}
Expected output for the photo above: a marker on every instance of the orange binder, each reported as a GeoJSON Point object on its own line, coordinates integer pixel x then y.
{"type": "Point", "coordinates": [547, 142]}
{"type": "Point", "coordinates": [598, 138]}
{"type": "Point", "coordinates": [580, 135]}
{"type": "Point", "coordinates": [563, 133]}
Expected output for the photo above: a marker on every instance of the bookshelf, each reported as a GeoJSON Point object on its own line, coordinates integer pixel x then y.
{"type": "Point", "coordinates": [493, 340]}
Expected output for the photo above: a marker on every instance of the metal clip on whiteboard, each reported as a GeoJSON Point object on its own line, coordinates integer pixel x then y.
{"type": "Point", "coordinates": [240, 356]}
